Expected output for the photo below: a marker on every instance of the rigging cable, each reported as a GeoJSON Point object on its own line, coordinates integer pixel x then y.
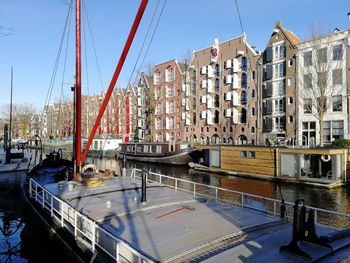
{"type": "Point", "coordinates": [94, 47]}
{"type": "Point", "coordinates": [85, 53]}
{"type": "Point", "coordinates": [53, 76]}
{"type": "Point", "coordinates": [149, 45]}
{"type": "Point", "coordinates": [143, 43]}
{"type": "Point", "coordinates": [64, 68]}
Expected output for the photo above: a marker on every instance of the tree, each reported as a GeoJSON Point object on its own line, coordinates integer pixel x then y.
{"type": "Point", "coordinates": [23, 116]}
{"type": "Point", "coordinates": [320, 76]}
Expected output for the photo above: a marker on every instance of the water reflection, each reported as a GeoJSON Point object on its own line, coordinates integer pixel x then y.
{"type": "Point", "coordinates": [11, 224]}
{"type": "Point", "coordinates": [332, 199]}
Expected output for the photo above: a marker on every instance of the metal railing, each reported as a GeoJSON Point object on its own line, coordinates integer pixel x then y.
{"type": "Point", "coordinates": [264, 204]}
{"type": "Point", "coordinates": [83, 228]}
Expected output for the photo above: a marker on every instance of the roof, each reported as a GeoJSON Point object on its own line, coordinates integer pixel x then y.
{"type": "Point", "coordinates": [291, 36]}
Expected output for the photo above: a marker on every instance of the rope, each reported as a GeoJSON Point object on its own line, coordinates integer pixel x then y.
{"type": "Point", "coordinates": [53, 76]}
{"type": "Point", "coordinates": [93, 46]}
{"type": "Point", "coordinates": [85, 53]}
{"type": "Point", "coordinates": [144, 42]}
{"type": "Point", "coordinates": [64, 68]}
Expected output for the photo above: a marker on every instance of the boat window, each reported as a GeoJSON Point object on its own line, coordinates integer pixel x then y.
{"type": "Point", "coordinates": [251, 154]}
{"type": "Point", "coordinates": [243, 154]}
{"type": "Point", "coordinates": [159, 149]}
{"type": "Point", "coordinates": [145, 148]}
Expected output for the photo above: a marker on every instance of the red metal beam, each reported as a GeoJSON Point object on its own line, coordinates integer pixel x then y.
{"type": "Point", "coordinates": [119, 67]}
{"type": "Point", "coordinates": [78, 86]}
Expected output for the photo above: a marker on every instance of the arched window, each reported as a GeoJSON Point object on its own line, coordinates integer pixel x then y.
{"type": "Point", "coordinates": [216, 117]}
{"type": "Point", "coordinates": [244, 63]}
{"type": "Point", "coordinates": [217, 70]}
{"type": "Point", "coordinates": [242, 139]}
{"type": "Point", "coordinates": [244, 98]}
{"type": "Point", "coordinates": [252, 129]}
{"type": "Point", "coordinates": [215, 139]}
{"type": "Point", "coordinates": [244, 82]}
{"type": "Point", "coordinates": [217, 101]}
{"type": "Point", "coordinates": [230, 140]}
{"type": "Point", "coordinates": [217, 84]}
{"type": "Point", "coordinates": [224, 129]}
{"type": "Point", "coordinates": [243, 115]}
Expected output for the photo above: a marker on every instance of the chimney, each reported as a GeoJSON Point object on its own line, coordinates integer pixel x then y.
{"type": "Point", "coordinates": [349, 19]}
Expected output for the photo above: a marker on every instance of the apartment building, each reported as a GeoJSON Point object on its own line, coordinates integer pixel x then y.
{"type": "Point", "coordinates": [278, 93]}
{"type": "Point", "coordinates": [226, 95]}
{"type": "Point", "coordinates": [323, 88]}
{"type": "Point", "coordinates": [144, 103]}
{"type": "Point", "coordinates": [166, 88]}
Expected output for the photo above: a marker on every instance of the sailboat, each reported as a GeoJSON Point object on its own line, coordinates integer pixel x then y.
{"type": "Point", "coordinates": [14, 163]}
{"type": "Point", "coordinates": [149, 217]}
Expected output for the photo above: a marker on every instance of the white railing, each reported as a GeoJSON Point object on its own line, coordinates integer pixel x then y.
{"type": "Point", "coordinates": [84, 228]}
{"type": "Point", "coordinates": [268, 205]}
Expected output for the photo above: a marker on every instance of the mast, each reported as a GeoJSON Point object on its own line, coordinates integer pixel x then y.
{"type": "Point", "coordinates": [125, 51]}
{"type": "Point", "coordinates": [78, 88]}
{"type": "Point", "coordinates": [10, 130]}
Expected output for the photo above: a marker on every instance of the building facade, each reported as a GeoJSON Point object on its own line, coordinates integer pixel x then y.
{"type": "Point", "coordinates": [226, 95]}
{"type": "Point", "coordinates": [323, 88]}
{"type": "Point", "coordinates": [278, 90]}
{"type": "Point", "coordinates": [167, 98]}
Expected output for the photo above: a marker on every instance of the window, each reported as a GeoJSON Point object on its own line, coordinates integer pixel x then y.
{"type": "Point", "coordinates": [337, 52]}
{"type": "Point", "coordinates": [244, 63]}
{"type": "Point", "coordinates": [252, 130]}
{"type": "Point", "coordinates": [307, 81]}
{"type": "Point", "coordinates": [253, 93]}
{"type": "Point", "coordinates": [333, 130]}
{"type": "Point", "coordinates": [307, 103]}
{"type": "Point", "coordinates": [279, 106]}
{"type": "Point", "coordinates": [290, 62]}
{"type": "Point", "coordinates": [337, 103]}
{"type": "Point", "coordinates": [157, 78]}
{"type": "Point", "coordinates": [290, 119]}
{"type": "Point", "coordinates": [309, 133]}
{"type": "Point", "coordinates": [251, 154]}
{"type": "Point", "coordinates": [308, 58]}
{"type": "Point", "coordinates": [253, 111]}
{"type": "Point", "coordinates": [278, 70]}
{"type": "Point", "coordinates": [279, 88]}
{"type": "Point", "coordinates": [243, 154]}
{"type": "Point", "coordinates": [337, 76]}
{"type": "Point", "coordinates": [279, 123]}
{"type": "Point", "coordinates": [217, 70]}
{"type": "Point", "coordinates": [278, 52]}
{"type": "Point", "coordinates": [290, 100]}
{"type": "Point", "coordinates": [322, 55]}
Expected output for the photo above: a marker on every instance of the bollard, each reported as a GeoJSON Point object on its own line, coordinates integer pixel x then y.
{"type": "Point", "coordinates": [144, 179]}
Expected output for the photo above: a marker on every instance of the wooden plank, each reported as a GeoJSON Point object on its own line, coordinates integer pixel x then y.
{"type": "Point", "coordinates": [248, 161]}
{"type": "Point", "coordinates": [248, 169]}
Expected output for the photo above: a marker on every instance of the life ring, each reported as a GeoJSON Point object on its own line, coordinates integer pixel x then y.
{"type": "Point", "coordinates": [89, 166]}
{"type": "Point", "coordinates": [325, 158]}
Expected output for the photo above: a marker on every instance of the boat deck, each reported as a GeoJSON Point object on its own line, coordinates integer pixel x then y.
{"type": "Point", "coordinates": [175, 226]}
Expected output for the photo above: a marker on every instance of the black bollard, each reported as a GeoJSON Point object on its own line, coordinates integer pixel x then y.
{"type": "Point", "coordinates": [144, 179]}
{"type": "Point", "coordinates": [283, 209]}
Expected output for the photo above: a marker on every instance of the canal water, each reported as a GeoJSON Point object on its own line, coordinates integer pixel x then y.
{"type": "Point", "coordinates": [20, 241]}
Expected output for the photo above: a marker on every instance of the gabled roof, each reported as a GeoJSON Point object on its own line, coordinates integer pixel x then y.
{"type": "Point", "coordinates": [288, 34]}
{"type": "Point", "coordinates": [291, 36]}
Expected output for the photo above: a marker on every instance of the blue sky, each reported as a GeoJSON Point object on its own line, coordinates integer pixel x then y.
{"type": "Point", "coordinates": [185, 25]}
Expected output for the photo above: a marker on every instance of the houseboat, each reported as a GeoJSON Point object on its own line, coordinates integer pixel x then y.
{"type": "Point", "coordinates": [103, 147]}
{"type": "Point", "coordinates": [157, 152]}
{"type": "Point", "coordinates": [321, 166]}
